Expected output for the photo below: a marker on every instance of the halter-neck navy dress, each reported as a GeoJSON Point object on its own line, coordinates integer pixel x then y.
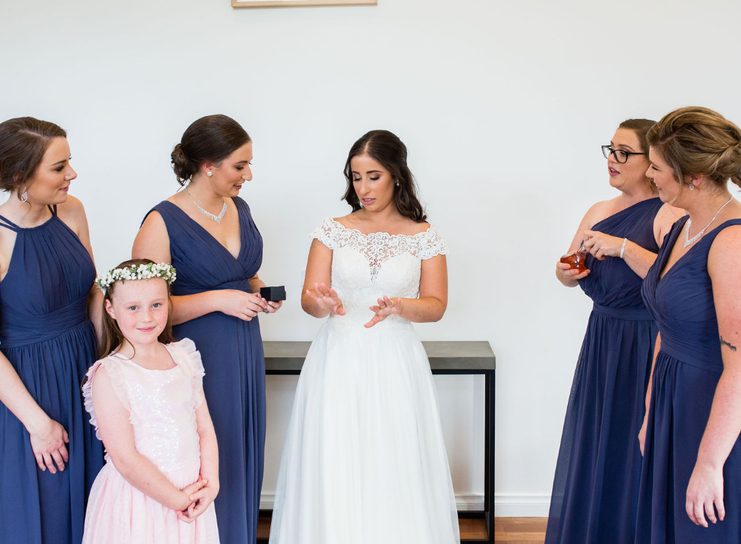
{"type": "Point", "coordinates": [595, 488]}
{"type": "Point", "coordinates": [688, 367]}
{"type": "Point", "coordinates": [46, 335]}
{"type": "Point", "coordinates": [233, 359]}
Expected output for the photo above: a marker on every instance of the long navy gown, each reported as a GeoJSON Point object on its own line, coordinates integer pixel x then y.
{"type": "Point", "coordinates": [595, 488]}
{"type": "Point", "coordinates": [46, 335]}
{"type": "Point", "coordinates": [233, 359]}
{"type": "Point", "coordinates": [688, 367]}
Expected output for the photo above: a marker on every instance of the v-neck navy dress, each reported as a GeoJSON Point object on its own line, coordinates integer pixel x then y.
{"type": "Point", "coordinates": [233, 359]}
{"type": "Point", "coordinates": [46, 335]}
{"type": "Point", "coordinates": [595, 488]}
{"type": "Point", "coordinates": [688, 367]}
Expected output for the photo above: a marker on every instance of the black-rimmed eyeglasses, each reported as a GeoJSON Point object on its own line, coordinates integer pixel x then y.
{"type": "Point", "coordinates": [621, 156]}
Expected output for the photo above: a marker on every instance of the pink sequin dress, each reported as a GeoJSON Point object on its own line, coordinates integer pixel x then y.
{"type": "Point", "coordinates": [162, 405]}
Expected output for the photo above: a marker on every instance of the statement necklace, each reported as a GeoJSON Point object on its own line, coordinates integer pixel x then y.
{"type": "Point", "coordinates": [208, 214]}
{"type": "Point", "coordinates": [689, 241]}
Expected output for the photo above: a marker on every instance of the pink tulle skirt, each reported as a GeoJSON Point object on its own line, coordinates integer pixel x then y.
{"type": "Point", "coordinates": [117, 513]}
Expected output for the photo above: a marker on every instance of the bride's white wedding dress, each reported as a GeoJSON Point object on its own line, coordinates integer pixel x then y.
{"type": "Point", "coordinates": [364, 460]}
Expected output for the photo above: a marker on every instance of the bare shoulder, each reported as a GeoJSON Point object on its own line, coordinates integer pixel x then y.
{"type": "Point", "coordinates": [71, 209]}
{"type": "Point", "coordinates": [153, 222]}
{"type": "Point", "coordinates": [669, 214]}
{"type": "Point", "coordinates": [725, 253]}
{"type": "Point", "coordinates": [728, 240]}
{"type": "Point", "coordinates": [599, 211]}
{"type": "Point", "coordinates": [424, 226]}
{"type": "Point", "coordinates": [152, 241]}
{"type": "Point", "coordinates": [348, 221]}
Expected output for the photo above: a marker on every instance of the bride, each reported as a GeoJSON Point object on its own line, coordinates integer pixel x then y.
{"type": "Point", "coordinates": [364, 459]}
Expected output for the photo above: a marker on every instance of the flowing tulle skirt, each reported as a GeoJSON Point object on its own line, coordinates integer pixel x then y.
{"type": "Point", "coordinates": [364, 460]}
{"type": "Point", "coordinates": [118, 513]}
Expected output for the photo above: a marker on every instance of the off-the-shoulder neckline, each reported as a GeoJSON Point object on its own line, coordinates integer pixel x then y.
{"type": "Point", "coordinates": [427, 230]}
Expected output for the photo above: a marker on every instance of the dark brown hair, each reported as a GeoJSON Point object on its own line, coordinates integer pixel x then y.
{"type": "Point", "coordinates": [112, 336]}
{"type": "Point", "coordinates": [640, 128]}
{"type": "Point", "coordinates": [697, 141]}
{"type": "Point", "coordinates": [23, 142]}
{"type": "Point", "coordinates": [209, 139]}
{"type": "Point", "coordinates": [386, 148]}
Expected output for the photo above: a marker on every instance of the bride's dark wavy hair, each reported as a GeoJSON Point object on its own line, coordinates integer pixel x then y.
{"type": "Point", "coordinates": [112, 337]}
{"type": "Point", "coordinates": [386, 148]}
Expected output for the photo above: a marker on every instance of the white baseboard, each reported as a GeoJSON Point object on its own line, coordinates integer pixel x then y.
{"type": "Point", "coordinates": [530, 505]}
{"type": "Point", "coordinates": [505, 506]}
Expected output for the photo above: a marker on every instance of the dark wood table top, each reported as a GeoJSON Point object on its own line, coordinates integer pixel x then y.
{"type": "Point", "coordinates": [460, 356]}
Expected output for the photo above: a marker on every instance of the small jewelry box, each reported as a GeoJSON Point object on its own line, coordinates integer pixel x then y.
{"type": "Point", "coordinates": [273, 294]}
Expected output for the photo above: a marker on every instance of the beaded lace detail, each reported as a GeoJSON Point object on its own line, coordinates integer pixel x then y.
{"type": "Point", "coordinates": [378, 247]}
{"type": "Point", "coordinates": [366, 267]}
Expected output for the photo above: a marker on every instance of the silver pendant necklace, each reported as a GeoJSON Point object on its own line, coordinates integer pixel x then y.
{"type": "Point", "coordinates": [208, 214]}
{"type": "Point", "coordinates": [689, 241]}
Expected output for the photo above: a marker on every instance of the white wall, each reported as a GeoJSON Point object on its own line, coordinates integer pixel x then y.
{"type": "Point", "coordinates": [503, 105]}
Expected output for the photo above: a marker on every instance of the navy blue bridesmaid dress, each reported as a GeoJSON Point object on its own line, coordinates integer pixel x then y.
{"type": "Point", "coordinates": [233, 359]}
{"type": "Point", "coordinates": [46, 335]}
{"type": "Point", "coordinates": [688, 367]}
{"type": "Point", "coordinates": [595, 488]}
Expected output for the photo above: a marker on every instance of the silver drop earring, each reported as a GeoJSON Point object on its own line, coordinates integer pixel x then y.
{"type": "Point", "coordinates": [24, 195]}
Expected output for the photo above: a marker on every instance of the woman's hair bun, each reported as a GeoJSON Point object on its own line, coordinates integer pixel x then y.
{"type": "Point", "coordinates": [210, 139]}
{"type": "Point", "coordinates": [183, 167]}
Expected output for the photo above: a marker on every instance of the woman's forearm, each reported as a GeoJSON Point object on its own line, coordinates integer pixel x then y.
{"type": "Point", "coordinates": [15, 396]}
{"type": "Point", "coordinates": [724, 423]}
{"type": "Point", "coordinates": [187, 307]}
{"type": "Point", "coordinates": [422, 310]}
{"type": "Point", "coordinates": [638, 258]}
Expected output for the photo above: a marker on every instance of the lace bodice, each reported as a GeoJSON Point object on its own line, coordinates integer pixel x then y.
{"type": "Point", "coordinates": [365, 267]}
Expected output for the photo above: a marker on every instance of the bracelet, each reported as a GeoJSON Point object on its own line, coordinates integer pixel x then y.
{"type": "Point", "coordinates": [622, 249]}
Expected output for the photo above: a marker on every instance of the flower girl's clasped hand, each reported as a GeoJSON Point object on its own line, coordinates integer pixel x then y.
{"type": "Point", "coordinates": [326, 298]}
{"type": "Point", "coordinates": [200, 495]}
{"type": "Point", "coordinates": [386, 307]}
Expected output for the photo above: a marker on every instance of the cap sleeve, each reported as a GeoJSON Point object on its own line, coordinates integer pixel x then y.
{"type": "Point", "coordinates": [186, 355]}
{"type": "Point", "coordinates": [328, 233]}
{"type": "Point", "coordinates": [431, 244]}
{"type": "Point", "coordinates": [117, 382]}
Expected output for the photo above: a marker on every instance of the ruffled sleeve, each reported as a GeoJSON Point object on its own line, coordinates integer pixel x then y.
{"type": "Point", "coordinates": [328, 233]}
{"type": "Point", "coordinates": [117, 382]}
{"type": "Point", "coordinates": [187, 356]}
{"type": "Point", "coordinates": [431, 244]}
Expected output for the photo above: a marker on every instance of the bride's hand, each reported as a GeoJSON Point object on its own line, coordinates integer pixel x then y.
{"type": "Point", "coordinates": [326, 298]}
{"type": "Point", "coordinates": [385, 308]}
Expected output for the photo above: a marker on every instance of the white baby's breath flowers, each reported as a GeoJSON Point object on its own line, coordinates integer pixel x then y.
{"type": "Point", "coordinates": [136, 272]}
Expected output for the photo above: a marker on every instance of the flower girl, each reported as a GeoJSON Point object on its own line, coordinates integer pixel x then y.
{"type": "Point", "coordinates": [145, 399]}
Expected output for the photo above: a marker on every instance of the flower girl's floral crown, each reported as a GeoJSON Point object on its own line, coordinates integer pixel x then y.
{"type": "Point", "coordinates": [136, 272]}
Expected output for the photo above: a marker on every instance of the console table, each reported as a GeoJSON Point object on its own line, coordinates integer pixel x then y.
{"type": "Point", "coordinates": [445, 358]}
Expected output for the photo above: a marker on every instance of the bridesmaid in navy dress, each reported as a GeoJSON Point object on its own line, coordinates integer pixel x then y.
{"type": "Point", "coordinates": [595, 490]}
{"type": "Point", "coordinates": [206, 231]}
{"type": "Point", "coordinates": [691, 480]}
{"type": "Point", "coordinates": [48, 454]}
